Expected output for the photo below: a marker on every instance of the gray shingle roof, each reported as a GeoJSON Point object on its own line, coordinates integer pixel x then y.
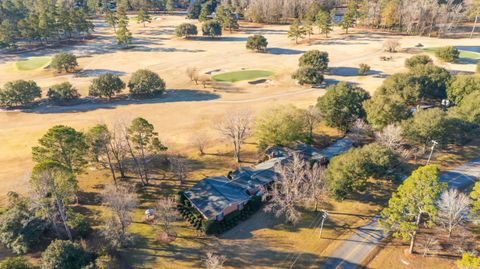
{"type": "Point", "coordinates": [339, 147]}
{"type": "Point", "coordinates": [212, 195]}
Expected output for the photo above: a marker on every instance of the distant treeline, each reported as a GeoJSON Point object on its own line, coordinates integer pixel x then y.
{"type": "Point", "coordinates": [43, 21]}
{"type": "Point", "coordinates": [411, 16]}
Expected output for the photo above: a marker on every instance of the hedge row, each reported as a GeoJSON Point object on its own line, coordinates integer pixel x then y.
{"type": "Point", "coordinates": [191, 215]}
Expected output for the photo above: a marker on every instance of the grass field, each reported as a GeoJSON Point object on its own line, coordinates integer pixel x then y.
{"type": "Point", "coordinates": [241, 75]}
{"type": "Point", "coordinates": [33, 63]}
{"type": "Point", "coordinates": [463, 53]}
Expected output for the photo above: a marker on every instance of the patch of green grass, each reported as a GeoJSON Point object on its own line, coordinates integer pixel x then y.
{"type": "Point", "coordinates": [33, 63]}
{"type": "Point", "coordinates": [241, 75]}
{"type": "Point", "coordinates": [463, 53]}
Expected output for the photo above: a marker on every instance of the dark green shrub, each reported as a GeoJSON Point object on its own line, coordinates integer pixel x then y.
{"type": "Point", "coordinates": [417, 60]}
{"type": "Point", "coordinates": [79, 224]}
{"type": "Point", "coordinates": [257, 43]}
{"type": "Point", "coordinates": [64, 61]}
{"type": "Point", "coordinates": [448, 54]}
{"type": "Point", "coordinates": [62, 93]}
{"type": "Point", "coordinates": [19, 92]}
{"type": "Point", "coordinates": [145, 83]}
{"type": "Point", "coordinates": [186, 30]}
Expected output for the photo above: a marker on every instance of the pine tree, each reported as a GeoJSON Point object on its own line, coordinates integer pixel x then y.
{"type": "Point", "coordinates": [307, 26]}
{"type": "Point", "coordinates": [123, 35]}
{"type": "Point", "coordinates": [111, 19]}
{"type": "Point", "coordinates": [324, 22]}
{"type": "Point", "coordinates": [296, 31]}
{"type": "Point", "coordinates": [414, 200]}
{"type": "Point", "coordinates": [143, 16]}
{"type": "Point", "coordinates": [350, 16]}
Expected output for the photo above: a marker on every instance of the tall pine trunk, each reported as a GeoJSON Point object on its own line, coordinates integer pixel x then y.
{"type": "Point", "coordinates": [414, 234]}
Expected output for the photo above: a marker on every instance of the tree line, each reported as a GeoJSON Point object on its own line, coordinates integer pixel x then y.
{"type": "Point", "coordinates": [42, 21]}
{"type": "Point", "coordinates": [143, 83]}
{"type": "Point", "coordinates": [414, 17]}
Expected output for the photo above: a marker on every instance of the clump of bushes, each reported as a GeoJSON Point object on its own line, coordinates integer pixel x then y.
{"type": "Point", "coordinates": [106, 85]}
{"type": "Point", "coordinates": [145, 83]}
{"type": "Point", "coordinates": [308, 75]}
{"type": "Point", "coordinates": [186, 30]}
{"type": "Point", "coordinates": [62, 93]}
{"type": "Point", "coordinates": [448, 54]}
{"type": "Point", "coordinates": [418, 60]}
{"type": "Point", "coordinates": [257, 43]}
{"type": "Point", "coordinates": [363, 69]}
{"type": "Point", "coordinates": [19, 92]}
{"type": "Point", "coordinates": [212, 28]}
{"type": "Point", "coordinates": [64, 62]}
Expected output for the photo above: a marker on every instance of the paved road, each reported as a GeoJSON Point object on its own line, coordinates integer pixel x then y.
{"type": "Point", "coordinates": [357, 247]}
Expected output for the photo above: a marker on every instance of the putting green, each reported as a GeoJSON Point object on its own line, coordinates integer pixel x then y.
{"type": "Point", "coordinates": [32, 63]}
{"type": "Point", "coordinates": [241, 75]}
{"type": "Point", "coordinates": [463, 53]}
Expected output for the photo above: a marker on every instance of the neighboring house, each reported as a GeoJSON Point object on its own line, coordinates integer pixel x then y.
{"type": "Point", "coordinates": [216, 197]}
{"type": "Point", "coordinates": [307, 152]}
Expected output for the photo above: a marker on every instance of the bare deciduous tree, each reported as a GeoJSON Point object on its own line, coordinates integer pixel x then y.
{"type": "Point", "coordinates": [178, 166]}
{"type": "Point", "coordinates": [214, 261]}
{"type": "Point", "coordinates": [193, 75]}
{"type": "Point", "coordinates": [288, 192]}
{"type": "Point", "coordinates": [390, 137]}
{"type": "Point", "coordinates": [312, 119]}
{"type": "Point", "coordinates": [200, 141]}
{"type": "Point", "coordinates": [165, 213]}
{"type": "Point", "coordinates": [315, 185]}
{"type": "Point", "coordinates": [360, 131]}
{"type": "Point", "coordinates": [453, 208]}
{"type": "Point", "coordinates": [391, 45]}
{"type": "Point", "coordinates": [430, 243]}
{"type": "Point", "coordinates": [121, 200]}
{"type": "Point", "coordinates": [119, 148]}
{"type": "Point", "coordinates": [235, 127]}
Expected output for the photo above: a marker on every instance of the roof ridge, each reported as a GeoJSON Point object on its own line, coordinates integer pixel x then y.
{"type": "Point", "coordinates": [217, 190]}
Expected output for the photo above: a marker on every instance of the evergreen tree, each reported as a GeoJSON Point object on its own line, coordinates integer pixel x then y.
{"type": "Point", "coordinates": [143, 16]}
{"type": "Point", "coordinates": [350, 16]}
{"type": "Point", "coordinates": [324, 22]}
{"type": "Point", "coordinates": [297, 31]}
{"type": "Point", "coordinates": [413, 204]}
{"type": "Point", "coordinates": [123, 35]}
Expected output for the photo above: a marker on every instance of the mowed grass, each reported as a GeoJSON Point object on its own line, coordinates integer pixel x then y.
{"type": "Point", "coordinates": [241, 75]}
{"type": "Point", "coordinates": [32, 63]}
{"type": "Point", "coordinates": [463, 53]}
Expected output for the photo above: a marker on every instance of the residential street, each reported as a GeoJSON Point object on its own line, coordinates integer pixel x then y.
{"type": "Point", "coordinates": [357, 247]}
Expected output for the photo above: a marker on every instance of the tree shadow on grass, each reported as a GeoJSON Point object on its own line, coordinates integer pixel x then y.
{"type": "Point", "coordinates": [282, 51]}
{"type": "Point", "coordinates": [263, 31]}
{"type": "Point", "coordinates": [221, 38]}
{"type": "Point", "coordinates": [89, 104]}
{"type": "Point", "coordinates": [98, 72]}
{"type": "Point", "coordinates": [350, 71]}
{"type": "Point", "coordinates": [467, 61]}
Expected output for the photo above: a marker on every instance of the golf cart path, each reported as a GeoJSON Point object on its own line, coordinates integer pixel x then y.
{"type": "Point", "coordinates": [366, 238]}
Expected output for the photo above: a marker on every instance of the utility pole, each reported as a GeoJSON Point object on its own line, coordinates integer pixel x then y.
{"type": "Point", "coordinates": [431, 152]}
{"type": "Point", "coordinates": [324, 217]}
